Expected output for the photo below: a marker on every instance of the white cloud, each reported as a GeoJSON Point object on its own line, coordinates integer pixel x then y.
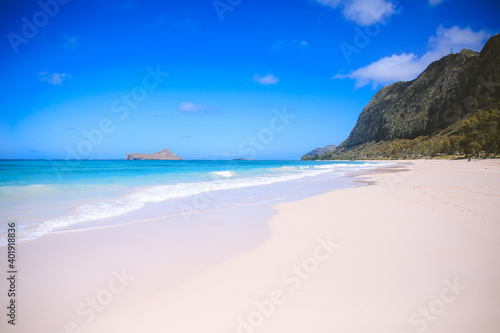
{"type": "Point", "coordinates": [388, 69]}
{"type": "Point", "coordinates": [266, 80]}
{"type": "Point", "coordinates": [407, 66]}
{"type": "Point", "coordinates": [366, 12]}
{"type": "Point", "coordinates": [331, 3]}
{"type": "Point", "coordinates": [363, 12]}
{"type": "Point", "coordinates": [457, 39]}
{"type": "Point", "coordinates": [189, 107]}
{"type": "Point", "coordinates": [55, 78]}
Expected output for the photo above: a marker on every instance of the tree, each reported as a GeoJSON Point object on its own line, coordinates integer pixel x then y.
{"type": "Point", "coordinates": [481, 133]}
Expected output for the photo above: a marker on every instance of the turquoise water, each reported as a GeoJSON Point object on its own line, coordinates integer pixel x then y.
{"type": "Point", "coordinates": [46, 196]}
{"type": "Point", "coordinates": [106, 172]}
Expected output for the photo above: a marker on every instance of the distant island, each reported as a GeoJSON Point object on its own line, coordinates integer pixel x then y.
{"type": "Point", "coordinates": [165, 154]}
{"type": "Point", "coordinates": [452, 109]}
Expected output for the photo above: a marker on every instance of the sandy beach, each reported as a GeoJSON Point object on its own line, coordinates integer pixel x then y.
{"type": "Point", "coordinates": [418, 250]}
{"type": "Point", "coordinates": [225, 166]}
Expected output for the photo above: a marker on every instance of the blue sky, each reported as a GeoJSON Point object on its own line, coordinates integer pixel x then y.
{"type": "Point", "coordinates": [212, 79]}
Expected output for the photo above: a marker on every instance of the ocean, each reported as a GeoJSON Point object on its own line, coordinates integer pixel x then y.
{"type": "Point", "coordinates": [45, 196]}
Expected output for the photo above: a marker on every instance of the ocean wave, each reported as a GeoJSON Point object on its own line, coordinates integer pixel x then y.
{"type": "Point", "coordinates": [352, 166]}
{"type": "Point", "coordinates": [225, 173]}
{"type": "Point", "coordinates": [284, 169]}
{"type": "Point", "coordinates": [137, 198]}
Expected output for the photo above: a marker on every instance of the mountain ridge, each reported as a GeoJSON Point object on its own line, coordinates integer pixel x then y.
{"type": "Point", "coordinates": [448, 91]}
{"type": "Point", "coordinates": [321, 150]}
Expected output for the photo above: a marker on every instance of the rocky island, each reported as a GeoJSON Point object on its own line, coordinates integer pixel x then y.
{"type": "Point", "coordinates": [165, 154]}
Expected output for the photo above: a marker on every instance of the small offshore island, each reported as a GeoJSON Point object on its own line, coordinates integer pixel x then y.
{"type": "Point", "coordinates": [165, 154]}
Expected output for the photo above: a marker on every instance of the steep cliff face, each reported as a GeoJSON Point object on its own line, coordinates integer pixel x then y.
{"type": "Point", "coordinates": [161, 155]}
{"type": "Point", "coordinates": [448, 90]}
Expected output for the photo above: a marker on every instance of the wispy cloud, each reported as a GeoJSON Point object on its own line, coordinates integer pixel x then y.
{"type": "Point", "coordinates": [70, 41]}
{"type": "Point", "coordinates": [189, 107]}
{"type": "Point", "coordinates": [363, 12]}
{"type": "Point", "coordinates": [290, 45]}
{"type": "Point", "coordinates": [269, 79]}
{"type": "Point", "coordinates": [407, 66]}
{"type": "Point", "coordinates": [435, 2]}
{"type": "Point", "coordinates": [57, 79]}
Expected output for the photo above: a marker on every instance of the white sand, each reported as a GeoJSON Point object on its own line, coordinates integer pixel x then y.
{"type": "Point", "coordinates": [417, 252]}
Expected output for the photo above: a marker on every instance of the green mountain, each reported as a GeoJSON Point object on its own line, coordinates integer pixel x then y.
{"type": "Point", "coordinates": [431, 107]}
{"type": "Point", "coordinates": [320, 151]}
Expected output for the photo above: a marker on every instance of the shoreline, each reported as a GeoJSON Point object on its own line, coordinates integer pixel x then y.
{"type": "Point", "coordinates": [160, 252]}
{"type": "Point", "coordinates": [221, 296]}
{"type": "Point", "coordinates": [216, 200]}
{"type": "Point", "coordinates": [132, 203]}
{"type": "Point", "coordinates": [403, 252]}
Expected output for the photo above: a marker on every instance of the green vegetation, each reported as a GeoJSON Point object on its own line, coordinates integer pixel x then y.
{"type": "Point", "coordinates": [476, 136]}
{"type": "Point", "coordinates": [481, 133]}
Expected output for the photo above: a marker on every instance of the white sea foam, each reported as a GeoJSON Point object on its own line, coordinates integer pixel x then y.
{"type": "Point", "coordinates": [225, 173]}
{"type": "Point", "coordinates": [285, 169]}
{"type": "Point", "coordinates": [139, 197]}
